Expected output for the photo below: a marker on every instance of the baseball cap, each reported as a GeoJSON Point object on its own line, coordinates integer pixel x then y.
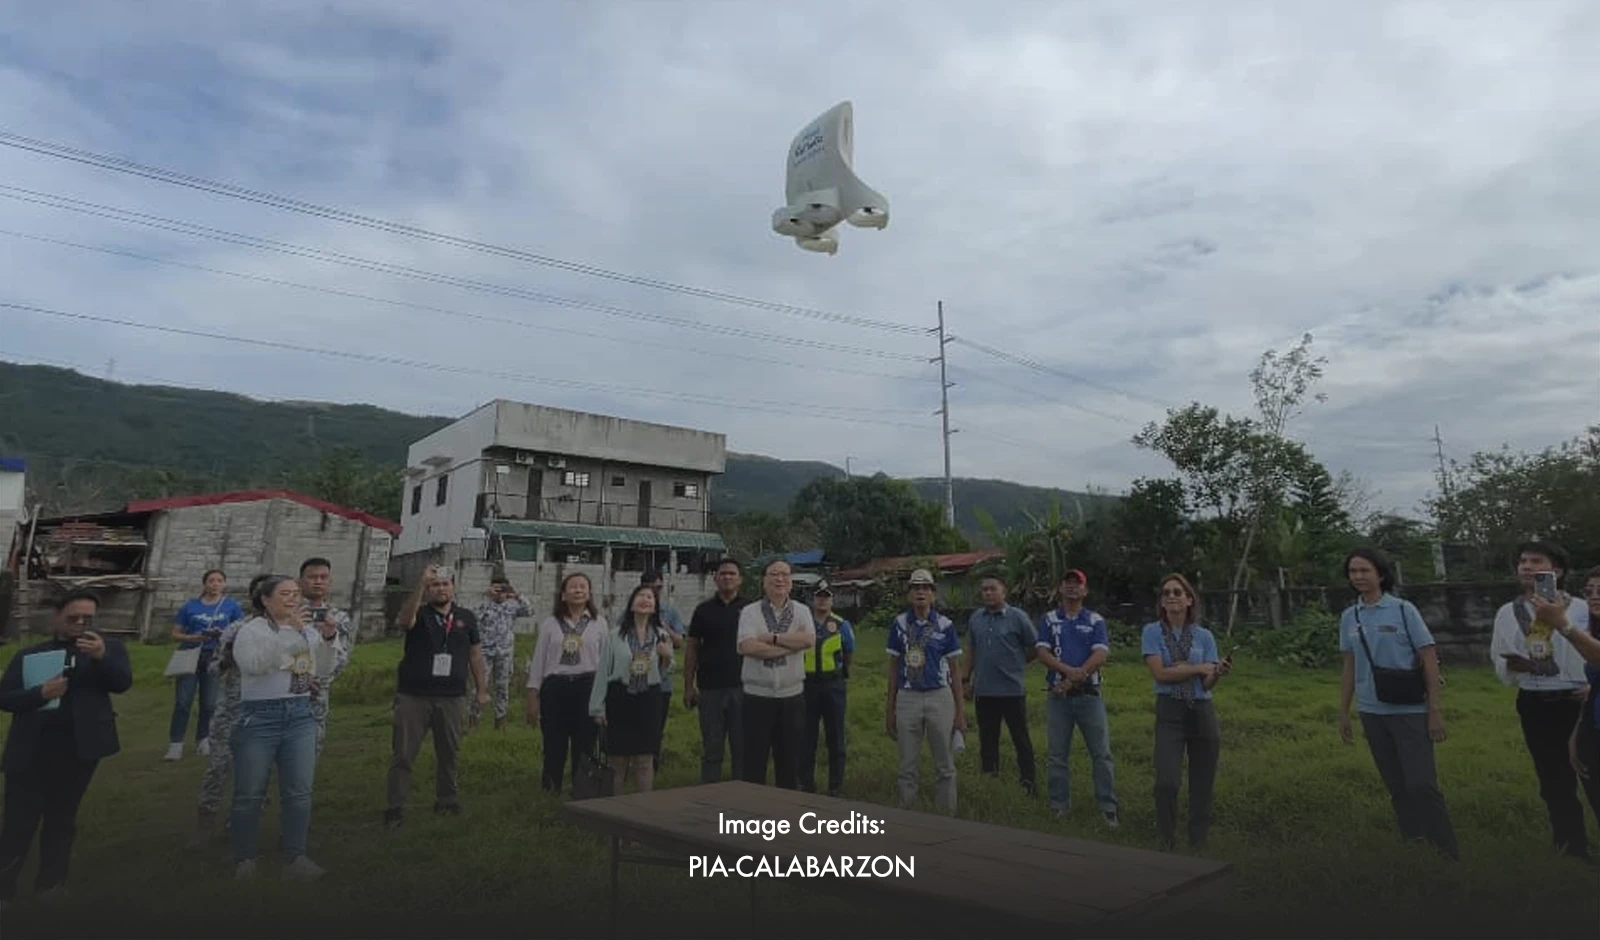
{"type": "Point", "coordinates": [922, 576]}
{"type": "Point", "coordinates": [822, 588]}
{"type": "Point", "coordinates": [1077, 573]}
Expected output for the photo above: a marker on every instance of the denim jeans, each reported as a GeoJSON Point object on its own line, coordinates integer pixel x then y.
{"type": "Point", "coordinates": [271, 733]}
{"type": "Point", "coordinates": [1086, 712]}
{"type": "Point", "coordinates": [184, 687]}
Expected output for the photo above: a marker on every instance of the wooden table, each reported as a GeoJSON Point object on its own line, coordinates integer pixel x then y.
{"type": "Point", "coordinates": [973, 871]}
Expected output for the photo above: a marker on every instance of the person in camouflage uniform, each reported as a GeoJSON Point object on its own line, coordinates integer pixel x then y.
{"type": "Point", "coordinates": [496, 619]}
{"type": "Point", "coordinates": [316, 575]}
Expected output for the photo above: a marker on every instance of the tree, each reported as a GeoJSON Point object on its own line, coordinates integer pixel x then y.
{"type": "Point", "coordinates": [345, 477]}
{"type": "Point", "coordinates": [870, 517]}
{"type": "Point", "coordinates": [753, 534]}
{"type": "Point", "coordinates": [1036, 556]}
{"type": "Point", "coordinates": [1501, 498]}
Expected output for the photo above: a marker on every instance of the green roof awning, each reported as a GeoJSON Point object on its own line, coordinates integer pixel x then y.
{"type": "Point", "coordinates": [609, 535]}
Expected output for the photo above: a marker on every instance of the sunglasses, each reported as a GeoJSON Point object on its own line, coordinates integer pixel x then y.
{"type": "Point", "coordinates": [1174, 592]}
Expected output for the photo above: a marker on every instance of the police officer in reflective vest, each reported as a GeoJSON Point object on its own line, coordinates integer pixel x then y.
{"type": "Point", "coordinates": [827, 667]}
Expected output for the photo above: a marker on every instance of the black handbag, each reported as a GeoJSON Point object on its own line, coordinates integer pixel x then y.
{"type": "Point", "coordinates": [1395, 686]}
{"type": "Point", "coordinates": [593, 777]}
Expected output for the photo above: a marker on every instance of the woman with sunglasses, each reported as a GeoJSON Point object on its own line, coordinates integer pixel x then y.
{"type": "Point", "coordinates": [1183, 660]}
{"type": "Point", "coordinates": [1583, 747]}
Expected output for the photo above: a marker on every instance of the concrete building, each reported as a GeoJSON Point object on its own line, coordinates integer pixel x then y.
{"type": "Point", "coordinates": [537, 492]}
{"type": "Point", "coordinates": [13, 507]}
{"type": "Point", "coordinates": [146, 560]}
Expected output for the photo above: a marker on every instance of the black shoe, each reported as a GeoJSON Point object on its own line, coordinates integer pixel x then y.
{"type": "Point", "coordinates": [447, 809]}
{"type": "Point", "coordinates": [836, 793]}
{"type": "Point", "coordinates": [392, 818]}
{"type": "Point", "coordinates": [1029, 788]}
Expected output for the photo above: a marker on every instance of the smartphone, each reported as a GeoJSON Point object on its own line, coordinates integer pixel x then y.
{"type": "Point", "coordinates": [1544, 585]}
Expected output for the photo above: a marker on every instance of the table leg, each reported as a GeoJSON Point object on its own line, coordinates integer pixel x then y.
{"type": "Point", "coordinates": [753, 925]}
{"type": "Point", "coordinates": [616, 853]}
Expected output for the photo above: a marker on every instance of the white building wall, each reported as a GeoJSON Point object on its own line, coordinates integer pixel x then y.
{"type": "Point", "coordinates": [461, 445]}
{"type": "Point", "coordinates": [13, 508]}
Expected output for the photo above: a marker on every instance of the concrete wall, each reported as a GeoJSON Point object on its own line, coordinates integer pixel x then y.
{"type": "Point", "coordinates": [612, 496]}
{"type": "Point", "coordinates": [601, 437]}
{"type": "Point", "coordinates": [13, 495]}
{"type": "Point", "coordinates": [247, 539]}
{"type": "Point", "coordinates": [462, 444]}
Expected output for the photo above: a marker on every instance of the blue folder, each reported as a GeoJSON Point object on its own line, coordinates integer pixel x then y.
{"type": "Point", "coordinates": [39, 668]}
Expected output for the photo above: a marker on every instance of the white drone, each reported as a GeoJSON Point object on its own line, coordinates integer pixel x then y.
{"type": "Point", "coordinates": [822, 187]}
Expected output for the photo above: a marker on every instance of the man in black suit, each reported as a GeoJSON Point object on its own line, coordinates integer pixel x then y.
{"type": "Point", "coordinates": [52, 751]}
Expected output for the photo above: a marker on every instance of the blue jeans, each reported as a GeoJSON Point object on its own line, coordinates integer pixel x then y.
{"type": "Point", "coordinates": [184, 688]}
{"type": "Point", "coordinates": [1089, 713]}
{"type": "Point", "coordinates": [271, 733]}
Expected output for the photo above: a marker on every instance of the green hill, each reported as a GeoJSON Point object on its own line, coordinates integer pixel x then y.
{"type": "Point", "coordinates": [93, 444]}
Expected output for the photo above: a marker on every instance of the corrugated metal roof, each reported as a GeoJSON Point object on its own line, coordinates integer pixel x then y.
{"type": "Point", "coordinates": [251, 496]}
{"type": "Point", "coordinates": [609, 535]}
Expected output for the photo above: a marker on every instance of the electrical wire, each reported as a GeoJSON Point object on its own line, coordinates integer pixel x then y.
{"type": "Point", "coordinates": [100, 210]}
{"type": "Point", "coordinates": [787, 408]}
{"type": "Point", "coordinates": [172, 177]}
{"type": "Point", "coordinates": [446, 311]}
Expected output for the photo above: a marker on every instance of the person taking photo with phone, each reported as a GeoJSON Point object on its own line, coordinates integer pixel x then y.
{"type": "Point", "coordinates": [1391, 672]}
{"type": "Point", "coordinates": [1529, 653]}
{"type": "Point", "coordinates": [61, 729]}
{"type": "Point", "coordinates": [1583, 747]}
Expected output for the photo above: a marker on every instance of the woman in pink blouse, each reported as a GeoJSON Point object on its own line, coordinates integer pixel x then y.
{"type": "Point", "coordinates": [561, 676]}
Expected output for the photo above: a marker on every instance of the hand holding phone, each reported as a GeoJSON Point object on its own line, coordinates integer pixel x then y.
{"type": "Point", "coordinates": [1544, 585]}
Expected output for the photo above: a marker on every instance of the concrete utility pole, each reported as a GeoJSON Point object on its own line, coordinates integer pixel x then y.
{"type": "Point", "coordinates": [944, 411]}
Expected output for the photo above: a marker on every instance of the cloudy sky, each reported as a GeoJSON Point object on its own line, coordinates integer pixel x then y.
{"type": "Point", "coordinates": [1139, 197]}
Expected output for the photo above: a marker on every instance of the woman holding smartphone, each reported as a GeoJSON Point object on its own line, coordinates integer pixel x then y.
{"type": "Point", "coordinates": [626, 700]}
{"type": "Point", "coordinates": [1183, 660]}
{"type": "Point", "coordinates": [1584, 746]}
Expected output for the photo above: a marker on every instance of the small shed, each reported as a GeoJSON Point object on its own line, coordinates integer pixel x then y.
{"type": "Point", "coordinates": [147, 559]}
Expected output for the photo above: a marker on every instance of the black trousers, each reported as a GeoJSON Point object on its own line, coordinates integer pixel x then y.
{"type": "Point", "coordinates": [1013, 711]}
{"type": "Point", "coordinates": [1182, 728]}
{"type": "Point", "coordinates": [825, 706]}
{"type": "Point", "coordinates": [773, 727]}
{"type": "Point", "coordinates": [666, 712]}
{"type": "Point", "coordinates": [50, 792]}
{"type": "Point", "coordinates": [1547, 722]}
{"type": "Point", "coordinates": [1589, 755]}
{"type": "Point", "coordinates": [1403, 753]}
{"type": "Point", "coordinates": [564, 717]}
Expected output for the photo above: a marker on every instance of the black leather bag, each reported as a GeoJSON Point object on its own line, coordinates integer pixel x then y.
{"type": "Point", "coordinates": [1395, 686]}
{"type": "Point", "coordinates": [593, 777]}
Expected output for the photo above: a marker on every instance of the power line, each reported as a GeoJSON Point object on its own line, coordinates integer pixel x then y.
{"type": "Point", "coordinates": [259, 197]}
{"type": "Point", "coordinates": [1051, 370]}
{"type": "Point", "coordinates": [446, 311]}
{"type": "Point", "coordinates": [1034, 393]}
{"type": "Point", "coordinates": [194, 230]}
{"type": "Point", "coordinates": [786, 408]}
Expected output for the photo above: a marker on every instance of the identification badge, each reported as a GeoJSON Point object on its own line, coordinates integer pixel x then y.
{"type": "Point", "coordinates": [1539, 649]}
{"type": "Point", "coordinates": [570, 642]}
{"type": "Point", "coordinates": [914, 659]}
{"type": "Point", "coordinates": [441, 665]}
{"type": "Point", "coordinates": [640, 665]}
{"type": "Point", "coordinates": [300, 665]}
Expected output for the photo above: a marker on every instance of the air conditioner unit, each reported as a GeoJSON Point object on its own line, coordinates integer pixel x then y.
{"type": "Point", "coordinates": [557, 463]}
{"type": "Point", "coordinates": [526, 460]}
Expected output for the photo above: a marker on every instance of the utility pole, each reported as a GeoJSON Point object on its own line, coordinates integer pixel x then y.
{"type": "Point", "coordinates": [1444, 474]}
{"type": "Point", "coordinates": [847, 460]}
{"type": "Point", "coordinates": [944, 412]}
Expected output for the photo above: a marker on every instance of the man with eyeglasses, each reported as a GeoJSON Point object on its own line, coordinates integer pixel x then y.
{"type": "Point", "coordinates": [59, 694]}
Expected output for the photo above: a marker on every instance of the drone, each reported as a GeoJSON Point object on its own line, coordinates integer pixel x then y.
{"type": "Point", "coordinates": [822, 187]}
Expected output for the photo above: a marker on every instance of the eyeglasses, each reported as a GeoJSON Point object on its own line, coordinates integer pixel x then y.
{"type": "Point", "coordinates": [1174, 592]}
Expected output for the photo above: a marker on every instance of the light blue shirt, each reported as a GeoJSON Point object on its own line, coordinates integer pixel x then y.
{"type": "Point", "coordinates": [1001, 641]}
{"type": "Point", "coordinates": [673, 622]}
{"type": "Point", "coordinates": [1394, 632]}
{"type": "Point", "coordinates": [1203, 649]}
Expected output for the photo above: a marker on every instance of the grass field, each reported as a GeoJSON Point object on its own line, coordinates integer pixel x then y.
{"type": "Point", "coordinates": [1303, 818]}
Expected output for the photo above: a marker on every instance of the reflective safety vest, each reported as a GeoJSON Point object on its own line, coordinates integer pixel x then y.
{"type": "Point", "coordinates": [828, 652]}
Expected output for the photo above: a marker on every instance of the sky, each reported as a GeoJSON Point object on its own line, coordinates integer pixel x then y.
{"type": "Point", "coordinates": [1139, 198]}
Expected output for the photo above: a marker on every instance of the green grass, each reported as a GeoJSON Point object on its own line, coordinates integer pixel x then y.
{"type": "Point", "coordinates": [1302, 817]}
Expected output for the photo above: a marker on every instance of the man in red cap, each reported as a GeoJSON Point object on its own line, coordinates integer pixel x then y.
{"type": "Point", "coordinates": [1073, 645]}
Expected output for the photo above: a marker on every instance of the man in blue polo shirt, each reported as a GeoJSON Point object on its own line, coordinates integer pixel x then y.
{"type": "Point", "coordinates": [925, 693]}
{"type": "Point", "coordinates": [1073, 645]}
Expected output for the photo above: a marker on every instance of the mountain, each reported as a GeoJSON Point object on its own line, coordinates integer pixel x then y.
{"type": "Point", "coordinates": [93, 444]}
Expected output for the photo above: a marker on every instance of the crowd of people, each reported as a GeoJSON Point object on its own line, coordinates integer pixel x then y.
{"type": "Point", "coordinates": [768, 678]}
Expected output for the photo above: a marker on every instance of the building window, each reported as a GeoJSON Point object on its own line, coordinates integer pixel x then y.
{"type": "Point", "coordinates": [619, 481]}
{"type": "Point", "coordinates": [686, 490]}
{"type": "Point", "coordinates": [575, 478]}
{"type": "Point", "coordinates": [442, 491]}
{"type": "Point", "coordinates": [416, 499]}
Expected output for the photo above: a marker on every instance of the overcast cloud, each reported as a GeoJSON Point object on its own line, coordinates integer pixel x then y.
{"type": "Point", "coordinates": [1144, 197]}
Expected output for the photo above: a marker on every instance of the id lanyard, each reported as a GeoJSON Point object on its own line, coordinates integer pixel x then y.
{"type": "Point", "coordinates": [449, 622]}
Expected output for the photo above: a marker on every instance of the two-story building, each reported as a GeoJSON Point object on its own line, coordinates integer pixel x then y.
{"type": "Point", "coordinates": [539, 492]}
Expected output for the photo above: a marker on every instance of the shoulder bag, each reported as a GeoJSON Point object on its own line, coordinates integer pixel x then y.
{"type": "Point", "coordinates": [183, 663]}
{"type": "Point", "coordinates": [593, 778]}
{"type": "Point", "coordinates": [1394, 686]}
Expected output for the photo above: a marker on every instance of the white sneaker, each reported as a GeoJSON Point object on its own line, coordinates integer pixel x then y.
{"type": "Point", "coordinates": [303, 869]}
{"type": "Point", "coordinates": [174, 752]}
{"type": "Point", "coordinates": [204, 747]}
{"type": "Point", "coordinates": [246, 870]}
